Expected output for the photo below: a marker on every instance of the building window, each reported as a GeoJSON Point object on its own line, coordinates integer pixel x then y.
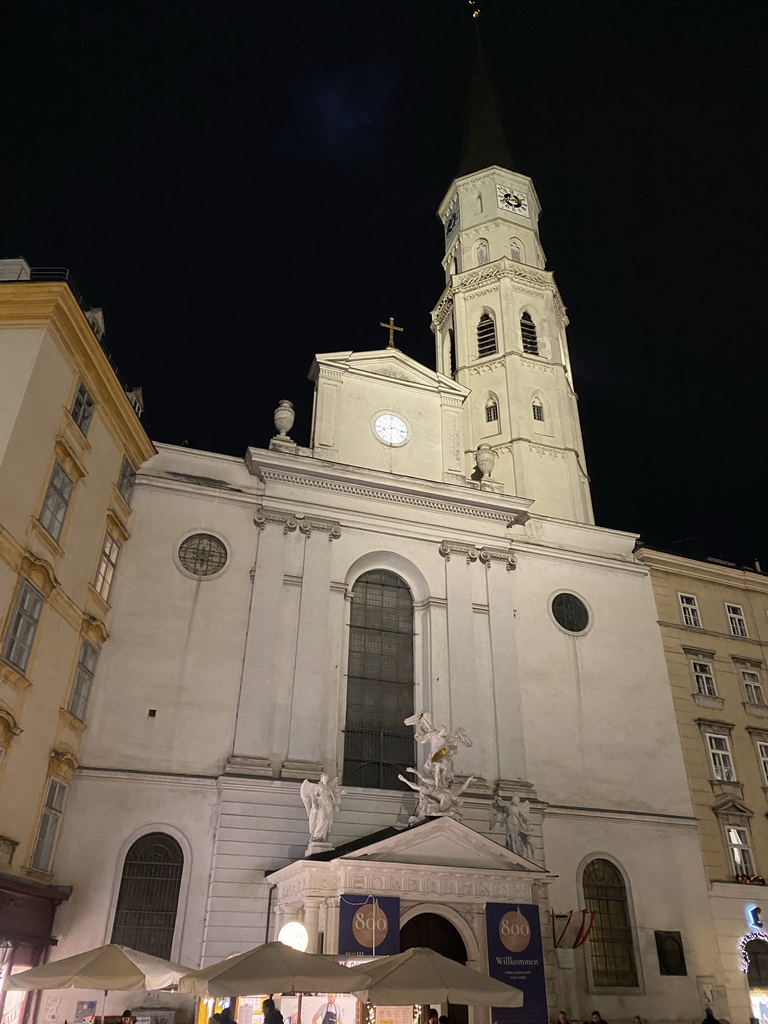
{"type": "Point", "coordinates": [481, 253]}
{"type": "Point", "coordinates": [202, 554]}
{"type": "Point", "coordinates": [56, 501]}
{"type": "Point", "coordinates": [126, 480]}
{"type": "Point", "coordinates": [720, 758]}
{"type": "Point", "coordinates": [491, 411]}
{"type": "Point", "coordinates": [757, 972]}
{"type": "Point", "coordinates": [704, 678]}
{"type": "Point", "coordinates": [145, 917]}
{"type": "Point", "coordinates": [379, 682]}
{"type": "Point", "coordinates": [42, 854]}
{"type": "Point", "coordinates": [516, 251]}
{"type": "Point", "coordinates": [528, 331]}
{"type": "Point", "coordinates": [762, 753]}
{"type": "Point", "coordinates": [736, 621]}
{"type": "Point", "coordinates": [737, 841]}
{"type": "Point", "coordinates": [753, 688]}
{"type": "Point", "coordinates": [82, 408]}
{"type": "Point", "coordinates": [612, 950]}
{"type": "Point", "coordinates": [486, 336]}
{"type": "Point", "coordinates": [538, 410]}
{"type": "Point", "coordinates": [105, 572]}
{"type": "Point", "coordinates": [570, 612]}
{"type": "Point", "coordinates": [689, 607]}
{"type": "Point", "coordinates": [23, 626]}
{"type": "Point", "coordinates": [81, 688]}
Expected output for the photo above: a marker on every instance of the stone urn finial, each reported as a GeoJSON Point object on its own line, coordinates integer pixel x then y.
{"type": "Point", "coordinates": [284, 417]}
{"type": "Point", "coordinates": [485, 460]}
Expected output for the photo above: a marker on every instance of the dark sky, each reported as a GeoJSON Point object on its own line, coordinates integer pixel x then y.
{"type": "Point", "coordinates": [241, 185]}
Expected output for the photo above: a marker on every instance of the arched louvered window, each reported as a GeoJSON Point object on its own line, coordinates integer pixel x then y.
{"type": "Point", "coordinates": [516, 251]}
{"type": "Point", "coordinates": [528, 331]}
{"type": "Point", "coordinates": [452, 351]}
{"type": "Point", "coordinates": [478, 203]}
{"type": "Point", "coordinates": [481, 253]}
{"type": "Point", "coordinates": [486, 335]}
{"type": "Point", "coordinates": [611, 946]}
{"type": "Point", "coordinates": [377, 743]}
{"type": "Point", "coordinates": [145, 917]}
{"type": "Point", "coordinates": [491, 410]}
{"type": "Point", "coordinates": [537, 409]}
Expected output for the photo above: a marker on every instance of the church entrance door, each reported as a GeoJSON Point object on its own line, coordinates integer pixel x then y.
{"type": "Point", "coordinates": [436, 933]}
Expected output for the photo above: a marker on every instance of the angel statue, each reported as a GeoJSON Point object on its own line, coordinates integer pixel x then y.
{"type": "Point", "coordinates": [435, 799]}
{"type": "Point", "coordinates": [517, 824]}
{"type": "Point", "coordinates": [442, 745]}
{"type": "Point", "coordinates": [321, 799]}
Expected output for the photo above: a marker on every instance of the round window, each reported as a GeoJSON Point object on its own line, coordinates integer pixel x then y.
{"type": "Point", "coordinates": [570, 612]}
{"type": "Point", "coordinates": [202, 554]}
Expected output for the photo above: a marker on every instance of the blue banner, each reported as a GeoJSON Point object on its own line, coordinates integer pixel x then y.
{"type": "Point", "coordinates": [369, 924]}
{"type": "Point", "coordinates": [515, 957]}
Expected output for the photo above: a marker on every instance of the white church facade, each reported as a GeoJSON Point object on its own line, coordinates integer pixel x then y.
{"type": "Point", "coordinates": [433, 548]}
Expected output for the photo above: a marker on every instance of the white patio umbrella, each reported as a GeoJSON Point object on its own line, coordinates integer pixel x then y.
{"type": "Point", "coordinates": [421, 975]}
{"type": "Point", "coordinates": [272, 967]}
{"type": "Point", "coordinates": [110, 967]}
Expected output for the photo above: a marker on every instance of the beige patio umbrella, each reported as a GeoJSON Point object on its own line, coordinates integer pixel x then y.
{"type": "Point", "coordinates": [423, 976]}
{"type": "Point", "coordinates": [272, 967]}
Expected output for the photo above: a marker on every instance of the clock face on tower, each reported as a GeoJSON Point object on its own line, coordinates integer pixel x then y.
{"type": "Point", "coordinates": [390, 429]}
{"type": "Point", "coordinates": [510, 199]}
{"type": "Point", "coordinates": [451, 218]}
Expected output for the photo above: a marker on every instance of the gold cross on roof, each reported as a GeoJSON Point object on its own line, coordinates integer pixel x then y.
{"type": "Point", "coordinates": [391, 327]}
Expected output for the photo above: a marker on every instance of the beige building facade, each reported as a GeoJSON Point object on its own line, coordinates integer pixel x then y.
{"type": "Point", "coordinates": [713, 618]}
{"type": "Point", "coordinates": [70, 444]}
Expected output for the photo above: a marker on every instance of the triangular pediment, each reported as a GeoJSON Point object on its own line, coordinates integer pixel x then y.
{"type": "Point", "coordinates": [729, 805]}
{"type": "Point", "coordinates": [440, 842]}
{"type": "Point", "coordinates": [387, 363]}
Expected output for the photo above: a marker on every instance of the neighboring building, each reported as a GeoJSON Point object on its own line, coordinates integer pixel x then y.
{"type": "Point", "coordinates": [714, 623]}
{"type": "Point", "coordinates": [432, 548]}
{"type": "Point", "coordinates": [70, 445]}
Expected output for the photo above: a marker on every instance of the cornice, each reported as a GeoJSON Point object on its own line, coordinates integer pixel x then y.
{"type": "Point", "coordinates": [51, 304]}
{"type": "Point", "coordinates": [478, 553]}
{"type": "Point", "coordinates": [690, 568]}
{"type": "Point", "coordinates": [291, 523]}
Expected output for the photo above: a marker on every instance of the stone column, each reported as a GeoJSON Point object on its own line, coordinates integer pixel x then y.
{"type": "Point", "coordinates": [332, 924]}
{"type": "Point", "coordinates": [312, 921]}
{"type": "Point", "coordinates": [505, 675]}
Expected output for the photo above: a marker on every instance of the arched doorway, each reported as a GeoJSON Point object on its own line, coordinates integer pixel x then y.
{"type": "Point", "coordinates": [757, 977]}
{"type": "Point", "coordinates": [437, 933]}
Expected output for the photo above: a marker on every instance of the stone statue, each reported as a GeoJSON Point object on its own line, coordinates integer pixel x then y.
{"type": "Point", "coordinates": [321, 799]}
{"type": "Point", "coordinates": [436, 798]}
{"type": "Point", "coordinates": [517, 824]}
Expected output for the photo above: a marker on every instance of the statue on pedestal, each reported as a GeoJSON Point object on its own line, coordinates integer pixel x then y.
{"type": "Point", "coordinates": [436, 797]}
{"type": "Point", "coordinates": [320, 800]}
{"type": "Point", "coordinates": [514, 815]}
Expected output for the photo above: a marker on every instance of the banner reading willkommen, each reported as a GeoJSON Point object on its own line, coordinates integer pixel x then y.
{"type": "Point", "coordinates": [515, 957]}
{"type": "Point", "coordinates": [369, 924]}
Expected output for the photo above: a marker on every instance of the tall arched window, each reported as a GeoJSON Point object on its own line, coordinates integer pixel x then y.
{"type": "Point", "coordinates": [537, 409]}
{"type": "Point", "coordinates": [145, 917]}
{"type": "Point", "coordinates": [481, 253]}
{"type": "Point", "coordinates": [486, 335]}
{"type": "Point", "coordinates": [516, 250]}
{"type": "Point", "coordinates": [491, 410]}
{"type": "Point", "coordinates": [452, 352]}
{"type": "Point", "coordinates": [611, 947]}
{"type": "Point", "coordinates": [528, 331]}
{"type": "Point", "coordinates": [379, 682]}
{"type": "Point", "coordinates": [478, 203]}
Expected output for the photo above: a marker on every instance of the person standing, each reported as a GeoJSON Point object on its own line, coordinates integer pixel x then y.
{"type": "Point", "coordinates": [328, 1013]}
{"type": "Point", "coordinates": [271, 1015]}
{"type": "Point", "coordinates": [709, 1016]}
{"type": "Point", "coordinates": [597, 1018]}
{"type": "Point", "coordinates": [563, 1018]}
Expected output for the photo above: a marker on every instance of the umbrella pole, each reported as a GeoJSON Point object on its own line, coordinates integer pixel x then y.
{"type": "Point", "coordinates": [298, 1007]}
{"type": "Point", "coordinates": [104, 1007]}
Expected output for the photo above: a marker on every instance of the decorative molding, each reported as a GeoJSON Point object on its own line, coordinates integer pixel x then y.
{"type": "Point", "coordinates": [94, 629]}
{"type": "Point", "coordinates": [479, 368]}
{"type": "Point", "coordinates": [8, 723]}
{"type": "Point", "coordinates": [62, 764]}
{"type": "Point", "coordinates": [39, 572]}
{"type": "Point", "coordinates": [291, 523]}
{"type": "Point", "coordinates": [69, 458]}
{"type": "Point", "coordinates": [478, 552]}
{"type": "Point", "coordinates": [442, 311]}
{"type": "Point", "coordinates": [116, 526]}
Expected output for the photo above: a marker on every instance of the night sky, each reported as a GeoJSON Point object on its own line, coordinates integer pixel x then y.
{"type": "Point", "coordinates": [240, 185]}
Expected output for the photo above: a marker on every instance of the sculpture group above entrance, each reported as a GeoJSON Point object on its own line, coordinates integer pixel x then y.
{"type": "Point", "coordinates": [434, 785]}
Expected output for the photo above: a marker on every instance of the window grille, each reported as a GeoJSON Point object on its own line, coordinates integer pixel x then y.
{"type": "Point", "coordinates": [202, 554]}
{"type": "Point", "coordinates": [24, 621]}
{"type": "Point", "coordinates": [82, 408]}
{"type": "Point", "coordinates": [757, 953]}
{"type": "Point", "coordinates": [538, 411]}
{"type": "Point", "coordinates": [528, 331]}
{"type": "Point", "coordinates": [704, 678]}
{"type": "Point", "coordinates": [377, 744]}
{"type": "Point", "coordinates": [56, 501]}
{"type": "Point", "coordinates": [81, 688]}
{"type": "Point", "coordinates": [762, 753]}
{"type": "Point", "coordinates": [145, 918]}
{"type": "Point", "coordinates": [736, 620]}
{"type": "Point", "coordinates": [126, 480]}
{"type": "Point", "coordinates": [486, 336]}
{"type": "Point", "coordinates": [611, 947]}
{"type": "Point", "coordinates": [740, 850]}
{"type": "Point", "coordinates": [105, 573]}
{"type": "Point", "coordinates": [42, 855]}
{"type": "Point", "coordinates": [482, 253]}
{"type": "Point", "coordinates": [753, 690]}
{"type": "Point", "coordinates": [720, 758]}
{"type": "Point", "coordinates": [689, 607]}
{"type": "Point", "coordinates": [491, 411]}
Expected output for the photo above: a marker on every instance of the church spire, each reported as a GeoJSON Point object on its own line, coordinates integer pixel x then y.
{"type": "Point", "coordinates": [484, 141]}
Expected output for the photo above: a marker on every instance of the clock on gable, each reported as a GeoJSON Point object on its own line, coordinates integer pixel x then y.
{"type": "Point", "coordinates": [390, 429]}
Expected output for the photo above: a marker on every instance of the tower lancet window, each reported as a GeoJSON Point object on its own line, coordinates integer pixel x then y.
{"type": "Point", "coordinates": [538, 410]}
{"type": "Point", "coordinates": [491, 410]}
{"type": "Point", "coordinates": [486, 336]}
{"type": "Point", "coordinates": [516, 250]}
{"type": "Point", "coordinates": [481, 253]}
{"type": "Point", "coordinates": [478, 203]}
{"type": "Point", "coordinates": [528, 332]}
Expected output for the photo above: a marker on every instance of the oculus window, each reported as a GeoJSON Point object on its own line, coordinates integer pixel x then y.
{"type": "Point", "coordinates": [202, 554]}
{"type": "Point", "coordinates": [570, 613]}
